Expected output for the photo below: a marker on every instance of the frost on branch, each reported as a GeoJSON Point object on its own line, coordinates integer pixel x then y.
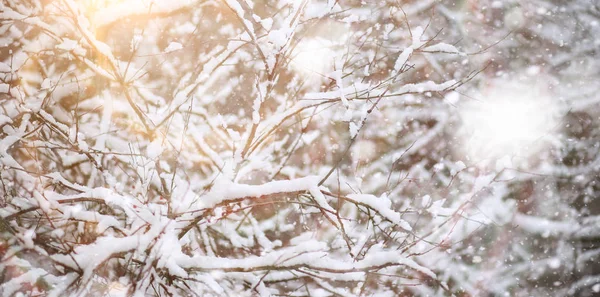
{"type": "Point", "coordinates": [191, 148]}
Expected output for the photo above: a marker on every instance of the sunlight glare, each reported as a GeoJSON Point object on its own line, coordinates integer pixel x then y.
{"type": "Point", "coordinates": [317, 53]}
{"type": "Point", "coordinates": [510, 120]}
{"type": "Point", "coordinates": [313, 57]}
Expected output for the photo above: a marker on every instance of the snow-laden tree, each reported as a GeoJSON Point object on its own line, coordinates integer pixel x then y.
{"type": "Point", "coordinates": [231, 148]}
{"type": "Point", "coordinates": [299, 148]}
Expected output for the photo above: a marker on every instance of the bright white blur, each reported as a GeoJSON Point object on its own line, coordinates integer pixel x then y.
{"type": "Point", "coordinates": [510, 118]}
{"type": "Point", "coordinates": [313, 57]}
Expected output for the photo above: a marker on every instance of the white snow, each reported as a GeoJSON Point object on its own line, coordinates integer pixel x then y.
{"type": "Point", "coordinates": [224, 190]}
{"type": "Point", "coordinates": [173, 46]}
{"type": "Point", "coordinates": [67, 45]}
{"type": "Point", "coordinates": [402, 59]}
